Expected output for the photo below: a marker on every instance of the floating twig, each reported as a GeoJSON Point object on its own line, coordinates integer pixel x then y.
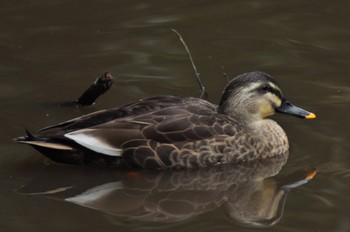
{"type": "Point", "coordinates": [99, 87]}
{"type": "Point", "coordinates": [201, 85]}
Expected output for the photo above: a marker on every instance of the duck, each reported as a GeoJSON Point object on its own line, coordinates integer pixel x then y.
{"type": "Point", "coordinates": [176, 132]}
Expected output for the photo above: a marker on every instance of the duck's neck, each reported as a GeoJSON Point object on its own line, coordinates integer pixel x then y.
{"type": "Point", "coordinates": [251, 123]}
{"type": "Point", "coordinates": [272, 135]}
{"type": "Point", "coordinates": [263, 129]}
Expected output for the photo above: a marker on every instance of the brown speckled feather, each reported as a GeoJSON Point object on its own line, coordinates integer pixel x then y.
{"type": "Point", "coordinates": [166, 137]}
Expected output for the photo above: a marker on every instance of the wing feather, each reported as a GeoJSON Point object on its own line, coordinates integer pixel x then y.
{"type": "Point", "coordinates": [86, 139]}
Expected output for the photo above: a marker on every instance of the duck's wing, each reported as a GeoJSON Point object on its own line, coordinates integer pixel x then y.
{"type": "Point", "coordinates": [132, 109]}
{"type": "Point", "coordinates": [169, 125]}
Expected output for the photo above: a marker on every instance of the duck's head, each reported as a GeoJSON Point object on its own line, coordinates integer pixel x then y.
{"type": "Point", "coordinates": [254, 96]}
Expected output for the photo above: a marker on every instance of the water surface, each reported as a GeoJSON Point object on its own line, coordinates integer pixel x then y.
{"type": "Point", "coordinates": [52, 50]}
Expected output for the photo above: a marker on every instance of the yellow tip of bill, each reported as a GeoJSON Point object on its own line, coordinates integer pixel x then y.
{"type": "Point", "coordinates": [310, 116]}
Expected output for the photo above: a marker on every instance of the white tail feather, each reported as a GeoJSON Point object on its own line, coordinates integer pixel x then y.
{"type": "Point", "coordinates": [48, 145]}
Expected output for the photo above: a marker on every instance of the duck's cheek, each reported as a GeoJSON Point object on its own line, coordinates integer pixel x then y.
{"type": "Point", "coordinates": [266, 110]}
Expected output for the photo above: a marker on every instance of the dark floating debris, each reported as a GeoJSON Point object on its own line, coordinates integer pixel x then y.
{"type": "Point", "coordinates": [99, 87]}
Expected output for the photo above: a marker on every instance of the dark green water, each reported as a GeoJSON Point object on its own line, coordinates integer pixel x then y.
{"type": "Point", "coordinates": [51, 51]}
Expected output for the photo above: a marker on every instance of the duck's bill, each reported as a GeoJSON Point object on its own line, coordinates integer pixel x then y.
{"type": "Point", "coordinates": [289, 108]}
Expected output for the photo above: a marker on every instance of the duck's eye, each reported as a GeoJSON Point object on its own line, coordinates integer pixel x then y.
{"type": "Point", "coordinates": [265, 89]}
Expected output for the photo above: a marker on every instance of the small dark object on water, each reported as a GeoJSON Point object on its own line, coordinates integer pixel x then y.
{"type": "Point", "coordinates": [99, 87]}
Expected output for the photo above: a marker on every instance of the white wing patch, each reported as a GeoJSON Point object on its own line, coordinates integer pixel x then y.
{"type": "Point", "coordinates": [83, 138]}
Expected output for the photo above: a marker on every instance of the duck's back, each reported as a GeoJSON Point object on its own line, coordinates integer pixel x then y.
{"type": "Point", "coordinates": [140, 107]}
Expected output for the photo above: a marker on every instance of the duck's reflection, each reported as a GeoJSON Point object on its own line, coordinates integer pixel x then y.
{"type": "Point", "coordinates": [248, 192]}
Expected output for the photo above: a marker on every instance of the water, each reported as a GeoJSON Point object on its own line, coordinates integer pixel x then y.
{"type": "Point", "coordinates": [51, 51]}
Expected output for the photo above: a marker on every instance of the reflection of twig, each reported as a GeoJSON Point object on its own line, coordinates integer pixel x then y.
{"type": "Point", "coordinates": [204, 92]}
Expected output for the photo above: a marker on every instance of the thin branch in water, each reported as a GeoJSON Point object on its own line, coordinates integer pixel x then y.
{"type": "Point", "coordinates": [201, 85]}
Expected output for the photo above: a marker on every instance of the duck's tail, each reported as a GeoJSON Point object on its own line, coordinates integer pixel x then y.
{"type": "Point", "coordinates": [63, 150]}
{"type": "Point", "coordinates": [56, 149]}
{"type": "Point", "coordinates": [38, 142]}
